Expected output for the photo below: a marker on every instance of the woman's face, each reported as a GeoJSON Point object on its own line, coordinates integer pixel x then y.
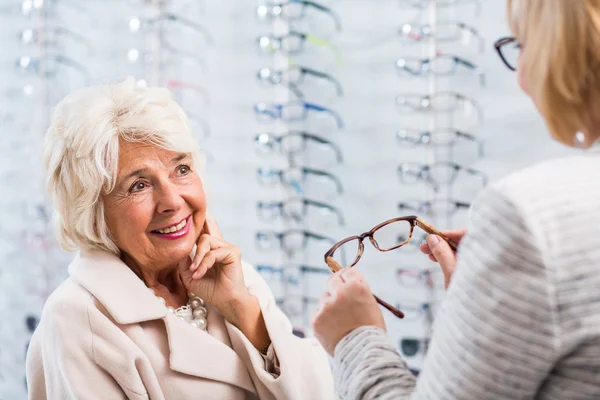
{"type": "Point", "coordinates": [521, 75]}
{"type": "Point", "coordinates": [156, 190]}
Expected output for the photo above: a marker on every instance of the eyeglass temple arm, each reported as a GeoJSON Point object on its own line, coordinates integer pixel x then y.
{"type": "Point", "coordinates": [327, 10]}
{"type": "Point", "coordinates": [320, 140]}
{"type": "Point", "coordinates": [184, 21]}
{"type": "Point", "coordinates": [334, 178]}
{"type": "Point", "coordinates": [432, 231]}
{"type": "Point", "coordinates": [335, 267]}
{"type": "Point", "coordinates": [318, 108]}
{"type": "Point", "coordinates": [414, 72]}
{"type": "Point", "coordinates": [338, 85]}
{"type": "Point", "coordinates": [331, 208]}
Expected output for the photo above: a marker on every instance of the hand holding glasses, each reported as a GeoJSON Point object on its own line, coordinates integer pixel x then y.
{"type": "Point", "coordinates": [294, 111]}
{"type": "Point", "coordinates": [293, 10]}
{"type": "Point", "coordinates": [293, 143]}
{"type": "Point", "coordinates": [294, 76]}
{"type": "Point", "coordinates": [387, 236]}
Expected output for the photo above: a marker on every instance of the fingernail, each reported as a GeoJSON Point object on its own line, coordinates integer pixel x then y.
{"type": "Point", "coordinates": [432, 240]}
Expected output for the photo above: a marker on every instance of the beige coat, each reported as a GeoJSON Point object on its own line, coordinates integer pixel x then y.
{"type": "Point", "coordinates": [104, 335]}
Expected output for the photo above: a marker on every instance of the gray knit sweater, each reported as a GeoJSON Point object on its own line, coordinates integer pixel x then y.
{"type": "Point", "coordinates": [521, 319]}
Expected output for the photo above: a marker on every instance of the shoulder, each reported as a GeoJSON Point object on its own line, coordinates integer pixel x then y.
{"type": "Point", "coordinates": [67, 304]}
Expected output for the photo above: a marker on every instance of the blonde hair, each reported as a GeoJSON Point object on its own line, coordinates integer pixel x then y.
{"type": "Point", "coordinates": [561, 59]}
{"type": "Point", "coordinates": [81, 152]}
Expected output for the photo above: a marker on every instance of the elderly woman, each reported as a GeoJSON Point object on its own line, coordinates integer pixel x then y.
{"type": "Point", "coordinates": [157, 304]}
{"type": "Point", "coordinates": [521, 319]}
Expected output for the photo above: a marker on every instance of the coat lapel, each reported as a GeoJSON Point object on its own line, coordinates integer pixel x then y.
{"type": "Point", "coordinates": [128, 300]}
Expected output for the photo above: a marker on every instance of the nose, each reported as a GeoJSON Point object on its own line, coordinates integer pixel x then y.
{"type": "Point", "coordinates": [168, 198]}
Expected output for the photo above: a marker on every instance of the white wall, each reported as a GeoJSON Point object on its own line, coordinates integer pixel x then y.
{"type": "Point", "coordinates": [30, 263]}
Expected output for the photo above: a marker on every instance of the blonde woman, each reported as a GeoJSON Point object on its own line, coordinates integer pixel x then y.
{"type": "Point", "coordinates": [138, 318]}
{"type": "Point", "coordinates": [522, 315]}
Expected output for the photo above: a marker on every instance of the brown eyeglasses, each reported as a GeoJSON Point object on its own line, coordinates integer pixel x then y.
{"type": "Point", "coordinates": [387, 236]}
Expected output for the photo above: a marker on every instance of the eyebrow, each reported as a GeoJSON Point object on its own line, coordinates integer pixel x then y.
{"type": "Point", "coordinates": [141, 171]}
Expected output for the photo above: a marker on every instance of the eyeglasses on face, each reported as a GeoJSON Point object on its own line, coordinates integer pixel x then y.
{"type": "Point", "coordinates": [437, 174]}
{"type": "Point", "coordinates": [437, 137]}
{"type": "Point", "coordinates": [293, 143]}
{"type": "Point", "coordinates": [410, 347]}
{"type": "Point", "coordinates": [509, 50]}
{"type": "Point", "coordinates": [296, 209]}
{"type": "Point", "coordinates": [445, 31]}
{"type": "Point", "coordinates": [294, 111]}
{"type": "Point", "coordinates": [437, 208]}
{"type": "Point", "coordinates": [442, 65]}
{"type": "Point", "coordinates": [387, 236]}
{"type": "Point", "coordinates": [293, 10]}
{"type": "Point", "coordinates": [290, 241]}
{"type": "Point", "coordinates": [294, 76]}
{"type": "Point", "coordinates": [440, 102]}
{"type": "Point", "coordinates": [136, 24]}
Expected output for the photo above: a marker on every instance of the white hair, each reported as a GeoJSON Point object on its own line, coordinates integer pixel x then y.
{"type": "Point", "coordinates": [81, 152]}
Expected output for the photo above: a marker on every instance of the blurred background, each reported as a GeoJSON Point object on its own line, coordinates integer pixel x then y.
{"type": "Point", "coordinates": [319, 120]}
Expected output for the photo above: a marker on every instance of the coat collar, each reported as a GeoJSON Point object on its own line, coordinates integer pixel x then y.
{"type": "Point", "coordinates": [128, 301]}
{"type": "Point", "coordinates": [116, 286]}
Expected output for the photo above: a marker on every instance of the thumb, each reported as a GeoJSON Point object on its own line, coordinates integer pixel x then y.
{"type": "Point", "coordinates": [444, 255]}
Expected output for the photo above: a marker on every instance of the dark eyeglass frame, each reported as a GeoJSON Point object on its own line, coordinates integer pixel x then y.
{"type": "Point", "coordinates": [275, 111]}
{"type": "Point", "coordinates": [418, 137]}
{"type": "Point", "coordinates": [414, 222]}
{"type": "Point", "coordinates": [500, 43]}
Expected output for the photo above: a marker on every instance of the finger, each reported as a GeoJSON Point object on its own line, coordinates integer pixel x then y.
{"type": "Point", "coordinates": [432, 258]}
{"type": "Point", "coordinates": [455, 235]}
{"type": "Point", "coordinates": [335, 283]}
{"type": "Point", "coordinates": [223, 254]}
{"type": "Point", "coordinates": [424, 247]}
{"type": "Point", "coordinates": [444, 255]}
{"type": "Point", "coordinates": [204, 244]}
{"type": "Point", "coordinates": [211, 227]}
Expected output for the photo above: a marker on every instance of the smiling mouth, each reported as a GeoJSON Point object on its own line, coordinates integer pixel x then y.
{"type": "Point", "coordinates": [174, 228]}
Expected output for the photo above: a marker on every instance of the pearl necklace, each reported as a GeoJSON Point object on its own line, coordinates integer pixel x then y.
{"type": "Point", "coordinates": [196, 304]}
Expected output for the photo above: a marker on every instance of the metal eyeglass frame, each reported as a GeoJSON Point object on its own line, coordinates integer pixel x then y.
{"type": "Point", "coordinates": [272, 43]}
{"type": "Point", "coordinates": [269, 11]}
{"type": "Point", "coordinates": [423, 4]}
{"type": "Point", "coordinates": [284, 77]}
{"type": "Point", "coordinates": [421, 277]}
{"type": "Point", "coordinates": [426, 66]}
{"type": "Point", "coordinates": [280, 206]}
{"type": "Point", "coordinates": [136, 23]}
{"type": "Point", "coordinates": [280, 237]}
{"type": "Point", "coordinates": [428, 138]}
{"type": "Point", "coordinates": [413, 220]}
{"type": "Point", "coordinates": [426, 103]}
{"type": "Point", "coordinates": [427, 207]}
{"type": "Point", "coordinates": [304, 171]}
{"type": "Point", "coordinates": [417, 33]}
{"type": "Point", "coordinates": [31, 64]}
{"type": "Point", "coordinates": [267, 142]}
{"type": "Point", "coordinates": [279, 111]}
{"type": "Point", "coordinates": [423, 172]}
